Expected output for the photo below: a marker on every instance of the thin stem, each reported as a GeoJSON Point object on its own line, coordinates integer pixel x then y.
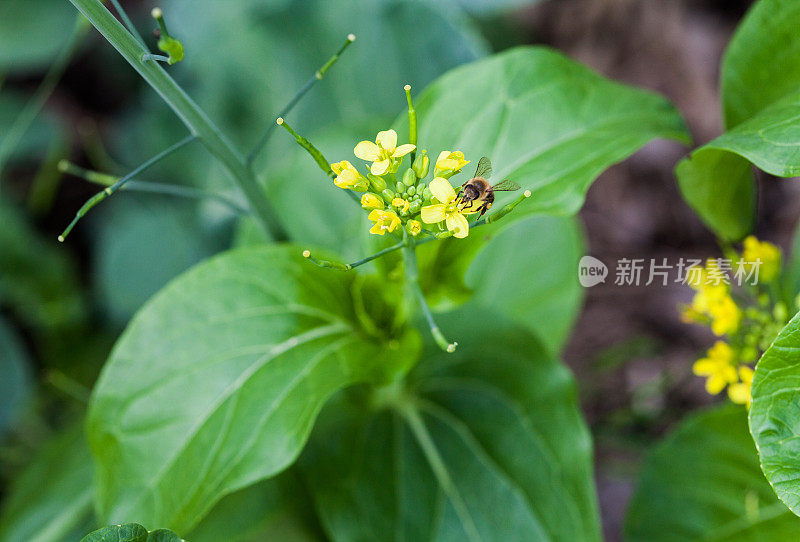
{"type": "Point", "coordinates": [318, 75]}
{"type": "Point", "coordinates": [128, 23]}
{"type": "Point", "coordinates": [187, 110]}
{"type": "Point", "coordinates": [412, 277]}
{"type": "Point", "coordinates": [412, 122]}
{"type": "Point", "coordinates": [46, 87]}
{"type": "Point", "coordinates": [97, 198]}
{"type": "Point", "coordinates": [69, 386]}
{"type": "Point", "coordinates": [133, 185]}
{"type": "Point", "coordinates": [316, 154]}
{"type": "Point", "coordinates": [157, 58]}
{"type": "Point", "coordinates": [348, 266]}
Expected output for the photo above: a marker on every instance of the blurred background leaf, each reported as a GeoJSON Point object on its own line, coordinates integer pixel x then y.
{"type": "Point", "coordinates": [703, 482]}
{"type": "Point", "coordinates": [16, 371]}
{"type": "Point", "coordinates": [31, 32]}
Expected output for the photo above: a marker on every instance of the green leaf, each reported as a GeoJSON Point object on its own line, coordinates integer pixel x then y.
{"type": "Point", "coordinates": [760, 77]}
{"type": "Point", "coordinates": [16, 370]}
{"type": "Point", "coordinates": [223, 373]}
{"type": "Point", "coordinates": [37, 279]}
{"type": "Point", "coordinates": [483, 444]}
{"type": "Point", "coordinates": [545, 121]}
{"type": "Point", "coordinates": [51, 500]}
{"type": "Point", "coordinates": [32, 32]}
{"type": "Point", "coordinates": [275, 509]}
{"type": "Point", "coordinates": [130, 532]}
{"type": "Point", "coordinates": [540, 257]}
{"type": "Point", "coordinates": [703, 482]}
{"type": "Point", "coordinates": [775, 414]}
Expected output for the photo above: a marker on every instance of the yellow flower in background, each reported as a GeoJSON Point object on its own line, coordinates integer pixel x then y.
{"type": "Point", "coordinates": [348, 177]}
{"type": "Point", "coordinates": [725, 315]}
{"type": "Point", "coordinates": [447, 210]}
{"type": "Point", "coordinates": [740, 391]}
{"type": "Point", "coordinates": [383, 152]}
{"type": "Point", "coordinates": [449, 161]}
{"type": "Point", "coordinates": [384, 221]}
{"type": "Point", "coordinates": [717, 367]}
{"type": "Point", "coordinates": [768, 254]}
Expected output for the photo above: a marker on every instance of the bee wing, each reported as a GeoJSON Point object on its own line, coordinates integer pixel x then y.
{"type": "Point", "coordinates": [484, 168]}
{"type": "Point", "coordinates": [506, 186]}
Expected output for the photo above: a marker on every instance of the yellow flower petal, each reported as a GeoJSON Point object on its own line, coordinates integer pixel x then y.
{"type": "Point", "coordinates": [704, 367]}
{"type": "Point", "coordinates": [377, 229]}
{"type": "Point", "coordinates": [442, 156]}
{"type": "Point", "coordinates": [367, 150]}
{"type": "Point", "coordinates": [715, 384]}
{"type": "Point", "coordinates": [432, 214]}
{"type": "Point", "coordinates": [739, 393]}
{"type": "Point", "coordinates": [746, 374]}
{"type": "Point", "coordinates": [442, 190]}
{"type": "Point", "coordinates": [387, 139]}
{"type": "Point", "coordinates": [402, 150]}
{"type": "Point", "coordinates": [379, 168]}
{"type": "Point", "coordinates": [457, 223]}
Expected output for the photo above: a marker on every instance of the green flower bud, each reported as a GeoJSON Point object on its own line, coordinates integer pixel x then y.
{"type": "Point", "coordinates": [409, 178]}
{"type": "Point", "coordinates": [749, 354]}
{"type": "Point", "coordinates": [779, 312]}
{"type": "Point", "coordinates": [377, 183]}
{"type": "Point", "coordinates": [427, 194]}
{"type": "Point", "coordinates": [388, 195]}
{"type": "Point", "coordinates": [400, 187]}
{"type": "Point", "coordinates": [411, 190]}
{"type": "Point", "coordinates": [421, 164]}
{"type": "Point", "coordinates": [415, 207]}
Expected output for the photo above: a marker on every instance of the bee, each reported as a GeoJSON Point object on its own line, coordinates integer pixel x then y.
{"type": "Point", "coordinates": [477, 195]}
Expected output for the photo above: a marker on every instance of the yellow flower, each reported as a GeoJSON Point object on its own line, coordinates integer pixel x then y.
{"type": "Point", "coordinates": [740, 391]}
{"type": "Point", "coordinates": [717, 366]}
{"type": "Point", "coordinates": [348, 177]}
{"type": "Point", "coordinates": [768, 254]}
{"type": "Point", "coordinates": [401, 205]}
{"type": "Point", "coordinates": [371, 201]}
{"type": "Point", "coordinates": [449, 161]}
{"type": "Point", "coordinates": [413, 227]}
{"type": "Point", "coordinates": [383, 152]}
{"type": "Point", "coordinates": [447, 210]}
{"type": "Point", "coordinates": [725, 315]}
{"type": "Point", "coordinates": [384, 221]}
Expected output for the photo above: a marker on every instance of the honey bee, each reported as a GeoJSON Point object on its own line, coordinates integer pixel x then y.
{"type": "Point", "coordinates": [477, 195]}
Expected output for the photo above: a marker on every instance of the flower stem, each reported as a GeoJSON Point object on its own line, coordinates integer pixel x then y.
{"type": "Point", "coordinates": [100, 196]}
{"type": "Point", "coordinates": [105, 179]}
{"type": "Point", "coordinates": [189, 112]}
{"type": "Point", "coordinates": [157, 58]}
{"type": "Point", "coordinates": [315, 153]}
{"type": "Point", "coordinates": [412, 122]}
{"type": "Point", "coordinates": [318, 75]}
{"type": "Point", "coordinates": [412, 277]}
{"type": "Point", "coordinates": [348, 266]}
{"type": "Point", "coordinates": [128, 23]}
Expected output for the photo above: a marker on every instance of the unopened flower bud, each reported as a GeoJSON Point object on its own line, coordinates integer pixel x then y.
{"type": "Point", "coordinates": [377, 183]}
{"type": "Point", "coordinates": [388, 195]}
{"type": "Point", "coordinates": [421, 164]}
{"type": "Point", "coordinates": [413, 227]}
{"type": "Point", "coordinates": [409, 177]}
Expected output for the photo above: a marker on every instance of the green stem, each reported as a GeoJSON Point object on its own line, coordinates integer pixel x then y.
{"type": "Point", "coordinates": [348, 266]}
{"type": "Point", "coordinates": [412, 277]}
{"type": "Point", "coordinates": [97, 198]}
{"type": "Point", "coordinates": [133, 185]}
{"type": "Point", "coordinates": [46, 87]}
{"type": "Point", "coordinates": [318, 75]}
{"type": "Point", "coordinates": [128, 23]}
{"type": "Point", "coordinates": [187, 110]}
{"type": "Point", "coordinates": [412, 122]}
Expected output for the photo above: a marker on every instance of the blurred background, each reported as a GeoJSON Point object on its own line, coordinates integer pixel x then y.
{"type": "Point", "coordinates": [63, 305]}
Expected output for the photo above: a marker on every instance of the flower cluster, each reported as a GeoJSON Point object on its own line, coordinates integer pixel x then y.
{"type": "Point", "coordinates": [749, 321]}
{"type": "Point", "coordinates": [405, 200]}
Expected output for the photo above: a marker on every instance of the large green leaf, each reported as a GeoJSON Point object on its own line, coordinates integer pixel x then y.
{"type": "Point", "coordinates": [223, 373]}
{"type": "Point", "coordinates": [525, 269]}
{"type": "Point", "coordinates": [703, 482]}
{"type": "Point", "coordinates": [483, 444]}
{"type": "Point", "coordinates": [275, 509]}
{"type": "Point", "coordinates": [760, 77]}
{"type": "Point", "coordinates": [547, 122]}
{"type": "Point", "coordinates": [775, 414]}
{"type": "Point", "coordinates": [130, 532]}
{"type": "Point", "coordinates": [51, 501]}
